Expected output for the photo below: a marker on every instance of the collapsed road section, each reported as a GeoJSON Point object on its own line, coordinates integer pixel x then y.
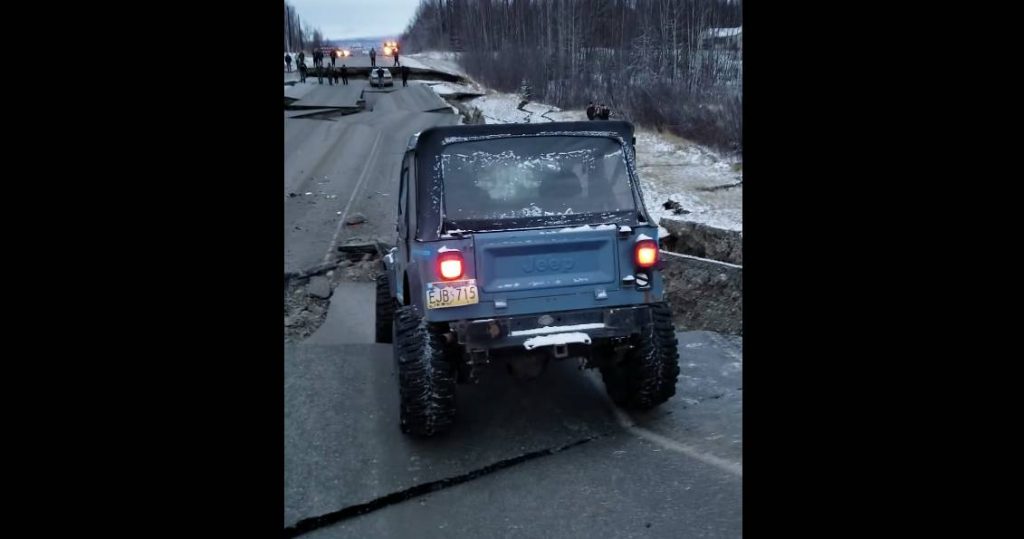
{"type": "Point", "coordinates": [307, 293]}
{"type": "Point", "coordinates": [704, 275]}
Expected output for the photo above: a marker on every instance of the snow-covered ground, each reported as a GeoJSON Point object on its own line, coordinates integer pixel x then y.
{"type": "Point", "coordinates": [670, 168]}
{"type": "Point", "coordinates": [441, 61]}
{"type": "Point", "coordinates": [449, 88]}
{"type": "Point", "coordinates": [499, 108]}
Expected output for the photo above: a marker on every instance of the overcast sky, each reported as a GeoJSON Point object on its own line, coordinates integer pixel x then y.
{"type": "Point", "coordinates": [343, 19]}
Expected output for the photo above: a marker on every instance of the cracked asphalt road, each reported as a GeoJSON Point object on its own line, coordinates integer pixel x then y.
{"type": "Point", "coordinates": [548, 458]}
{"type": "Point", "coordinates": [343, 448]}
{"type": "Point", "coordinates": [347, 165]}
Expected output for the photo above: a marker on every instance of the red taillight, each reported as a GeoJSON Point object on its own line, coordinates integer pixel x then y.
{"type": "Point", "coordinates": [646, 254]}
{"type": "Point", "coordinates": [449, 265]}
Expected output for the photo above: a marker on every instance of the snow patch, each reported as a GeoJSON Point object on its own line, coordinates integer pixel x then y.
{"type": "Point", "coordinates": [449, 88]}
{"type": "Point", "coordinates": [671, 168]}
{"type": "Point", "coordinates": [499, 108]}
{"type": "Point", "coordinates": [555, 329]}
{"type": "Point", "coordinates": [437, 60]}
{"type": "Point", "coordinates": [582, 228]}
{"type": "Point", "coordinates": [558, 338]}
{"type": "Point", "coordinates": [724, 32]}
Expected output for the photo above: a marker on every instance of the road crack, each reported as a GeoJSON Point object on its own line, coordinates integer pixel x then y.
{"type": "Point", "coordinates": [307, 525]}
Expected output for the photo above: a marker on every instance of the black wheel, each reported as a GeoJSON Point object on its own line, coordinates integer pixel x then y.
{"type": "Point", "coordinates": [646, 376]}
{"type": "Point", "coordinates": [385, 309]}
{"type": "Point", "coordinates": [426, 375]}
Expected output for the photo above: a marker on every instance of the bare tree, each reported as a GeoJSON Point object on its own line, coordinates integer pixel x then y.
{"type": "Point", "coordinates": [297, 35]}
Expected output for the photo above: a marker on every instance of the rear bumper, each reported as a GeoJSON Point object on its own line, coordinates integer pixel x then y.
{"type": "Point", "coordinates": [515, 331]}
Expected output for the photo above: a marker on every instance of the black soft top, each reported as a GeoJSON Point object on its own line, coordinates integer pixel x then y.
{"type": "Point", "coordinates": [431, 142]}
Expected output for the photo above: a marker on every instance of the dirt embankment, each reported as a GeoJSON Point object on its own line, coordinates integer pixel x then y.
{"type": "Point", "coordinates": [703, 275]}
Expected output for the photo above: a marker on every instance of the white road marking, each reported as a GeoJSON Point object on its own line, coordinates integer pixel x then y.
{"type": "Point", "coordinates": [627, 423]}
{"type": "Point", "coordinates": [371, 156]}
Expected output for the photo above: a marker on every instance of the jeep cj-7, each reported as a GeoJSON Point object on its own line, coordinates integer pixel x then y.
{"type": "Point", "coordinates": [530, 242]}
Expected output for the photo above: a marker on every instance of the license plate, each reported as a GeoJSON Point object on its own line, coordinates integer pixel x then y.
{"type": "Point", "coordinates": [452, 294]}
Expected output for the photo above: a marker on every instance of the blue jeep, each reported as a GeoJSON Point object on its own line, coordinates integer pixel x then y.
{"type": "Point", "coordinates": [529, 242]}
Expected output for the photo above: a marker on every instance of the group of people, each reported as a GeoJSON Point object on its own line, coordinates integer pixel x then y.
{"type": "Point", "coordinates": [300, 59]}
{"type": "Point", "coordinates": [598, 112]}
{"type": "Point", "coordinates": [373, 57]}
{"type": "Point", "coordinates": [318, 58]}
{"type": "Point", "coordinates": [333, 74]}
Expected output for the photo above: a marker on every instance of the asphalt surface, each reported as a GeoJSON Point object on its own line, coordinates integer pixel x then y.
{"type": "Point", "coordinates": [348, 164]}
{"type": "Point", "coordinates": [547, 458]}
{"type": "Point", "coordinates": [343, 447]}
{"type": "Point", "coordinates": [313, 93]}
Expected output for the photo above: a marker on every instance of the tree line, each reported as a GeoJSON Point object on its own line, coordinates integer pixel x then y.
{"type": "Point", "coordinates": [297, 35]}
{"type": "Point", "coordinates": [662, 63]}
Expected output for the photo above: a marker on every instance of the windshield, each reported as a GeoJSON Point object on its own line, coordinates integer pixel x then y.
{"type": "Point", "coordinates": [535, 180]}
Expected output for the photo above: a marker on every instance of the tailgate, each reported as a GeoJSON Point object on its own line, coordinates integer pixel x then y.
{"type": "Point", "coordinates": [535, 260]}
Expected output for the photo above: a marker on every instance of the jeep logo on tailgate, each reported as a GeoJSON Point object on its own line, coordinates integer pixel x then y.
{"type": "Point", "coordinates": [541, 264]}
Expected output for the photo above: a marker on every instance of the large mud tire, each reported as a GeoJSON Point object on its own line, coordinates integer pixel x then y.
{"type": "Point", "coordinates": [385, 309]}
{"type": "Point", "coordinates": [647, 374]}
{"type": "Point", "coordinates": [426, 375]}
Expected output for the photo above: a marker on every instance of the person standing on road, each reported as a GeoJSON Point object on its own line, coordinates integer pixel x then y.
{"type": "Point", "coordinates": [396, 58]}
{"type": "Point", "coordinates": [319, 74]}
{"type": "Point", "coordinates": [344, 74]}
{"type": "Point", "coordinates": [302, 58]}
{"type": "Point", "coordinates": [591, 111]}
{"type": "Point", "coordinates": [302, 72]}
{"type": "Point", "coordinates": [334, 57]}
{"type": "Point", "coordinates": [288, 62]}
{"type": "Point", "coordinates": [380, 77]}
{"type": "Point", "coordinates": [373, 57]}
{"type": "Point", "coordinates": [405, 75]}
{"type": "Point", "coordinates": [604, 113]}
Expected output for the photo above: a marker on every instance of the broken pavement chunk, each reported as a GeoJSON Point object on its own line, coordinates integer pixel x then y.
{"type": "Point", "coordinates": [319, 287]}
{"type": "Point", "coordinates": [355, 219]}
